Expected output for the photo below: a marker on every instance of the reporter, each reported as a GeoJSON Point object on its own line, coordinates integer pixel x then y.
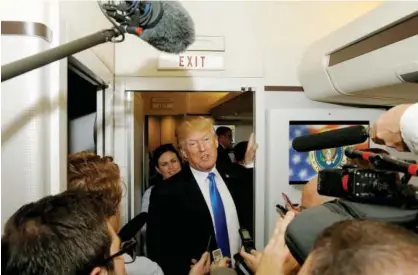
{"type": "Point", "coordinates": [276, 252]}
{"type": "Point", "coordinates": [276, 256]}
{"type": "Point", "coordinates": [363, 247]}
{"type": "Point", "coordinates": [252, 260]}
{"type": "Point", "coordinates": [397, 128]}
{"type": "Point", "coordinates": [90, 172]}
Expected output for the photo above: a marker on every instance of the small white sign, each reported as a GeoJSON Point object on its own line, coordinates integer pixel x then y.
{"type": "Point", "coordinates": [208, 43]}
{"type": "Point", "coordinates": [164, 106]}
{"type": "Point", "coordinates": [212, 62]}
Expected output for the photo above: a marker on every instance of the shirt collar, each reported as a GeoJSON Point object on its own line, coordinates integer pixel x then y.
{"type": "Point", "coordinates": [202, 176]}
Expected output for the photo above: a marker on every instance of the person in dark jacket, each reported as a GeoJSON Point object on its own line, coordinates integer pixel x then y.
{"type": "Point", "coordinates": [225, 146]}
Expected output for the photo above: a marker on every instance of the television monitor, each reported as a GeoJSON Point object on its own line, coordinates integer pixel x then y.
{"type": "Point", "coordinates": [303, 166]}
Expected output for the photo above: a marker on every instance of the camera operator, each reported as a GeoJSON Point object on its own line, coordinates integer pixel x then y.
{"type": "Point", "coordinates": [346, 247]}
{"type": "Point", "coordinates": [398, 128]}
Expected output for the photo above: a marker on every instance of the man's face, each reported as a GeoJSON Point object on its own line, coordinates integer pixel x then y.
{"type": "Point", "coordinates": [200, 150]}
{"type": "Point", "coordinates": [226, 140]}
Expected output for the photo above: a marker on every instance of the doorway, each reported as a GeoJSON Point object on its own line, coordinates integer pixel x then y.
{"type": "Point", "coordinates": [127, 87]}
{"type": "Point", "coordinates": [156, 114]}
{"type": "Point", "coordinates": [85, 105]}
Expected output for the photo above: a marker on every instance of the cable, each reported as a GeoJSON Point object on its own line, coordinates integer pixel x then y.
{"type": "Point", "coordinates": [121, 31]}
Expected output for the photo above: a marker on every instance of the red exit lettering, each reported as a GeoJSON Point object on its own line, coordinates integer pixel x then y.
{"type": "Point", "coordinates": [186, 61]}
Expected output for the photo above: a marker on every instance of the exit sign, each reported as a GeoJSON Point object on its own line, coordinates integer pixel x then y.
{"type": "Point", "coordinates": [210, 62]}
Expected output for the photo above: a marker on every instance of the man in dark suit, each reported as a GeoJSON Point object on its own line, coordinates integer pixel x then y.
{"type": "Point", "coordinates": [202, 203]}
{"type": "Point", "coordinates": [225, 146]}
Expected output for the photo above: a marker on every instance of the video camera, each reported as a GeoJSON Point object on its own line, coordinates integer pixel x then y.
{"type": "Point", "coordinates": [373, 194]}
{"type": "Point", "coordinates": [381, 185]}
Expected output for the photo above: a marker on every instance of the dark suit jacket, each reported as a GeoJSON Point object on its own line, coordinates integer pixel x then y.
{"type": "Point", "coordinates": [223, 160]}
{"type": "Point", "coordinates": [179, 221]}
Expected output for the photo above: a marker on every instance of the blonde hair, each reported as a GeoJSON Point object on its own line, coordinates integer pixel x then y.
{"type": "Point", "coordinates": [190, 124]}
{"type": "Point", "coordinates": [90, 172]}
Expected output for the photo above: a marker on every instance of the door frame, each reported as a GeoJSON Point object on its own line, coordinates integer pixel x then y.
{"type": "Point", "coordinates": [126, 85]}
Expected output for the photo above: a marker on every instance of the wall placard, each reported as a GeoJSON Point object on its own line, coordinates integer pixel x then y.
{"type": "Point", "coordinates": [161, 99]}
{"type": "Point", "coordinates": [162, 106]}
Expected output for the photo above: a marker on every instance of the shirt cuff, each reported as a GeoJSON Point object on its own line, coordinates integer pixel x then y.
{"type": "Point", "coordinates": [409, 128]}
{"type": "Point", "coordinates": [249, 165]}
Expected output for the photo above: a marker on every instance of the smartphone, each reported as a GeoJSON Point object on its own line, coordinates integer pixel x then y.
{"type": "Point", "coordinates": [246, 240]}
{"type": "Point", "coordinates": [208, 247]}
{"type": "Point", "coordinates": [288, 201]}
{"type": "Point", "coordinates": [281, 210]}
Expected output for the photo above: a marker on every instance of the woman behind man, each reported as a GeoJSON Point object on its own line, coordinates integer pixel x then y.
{"type": "Point", "coordinates": [167, 162]}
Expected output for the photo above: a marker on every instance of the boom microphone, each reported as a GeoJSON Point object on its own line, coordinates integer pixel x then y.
{"type": "Point", "coordinates": [165, 25]}
{"type": "Point", "coordinates": [331, 139]}
{"type": "Point", "coordinates": [133, 227]}
{"type": "Point", "coordinates": [174, 33]}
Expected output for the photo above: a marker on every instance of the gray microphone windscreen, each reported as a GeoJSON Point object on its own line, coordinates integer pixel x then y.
{"type": "Point", "coordinates": [174, 32]}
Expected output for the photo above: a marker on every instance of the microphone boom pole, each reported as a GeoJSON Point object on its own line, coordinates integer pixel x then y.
{"type": "Point", "coordinates": [36, 61]}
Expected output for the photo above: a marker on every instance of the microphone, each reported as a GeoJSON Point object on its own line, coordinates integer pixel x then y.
{"type": "Point", "coordinates": [331, 139]}
{"type": "Point", "coordinates": [133, 227]}
{"type": "Point", "coordinates": [164, 25]}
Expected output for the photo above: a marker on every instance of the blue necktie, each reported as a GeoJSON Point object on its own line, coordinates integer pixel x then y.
{"type": "Point", "coordinates": [219, 216]}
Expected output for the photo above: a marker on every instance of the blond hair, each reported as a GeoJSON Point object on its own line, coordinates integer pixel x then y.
{"type": "Point", "coordinates": [90, 172]}
{"type": "Point", "coordinates": [190, 124]}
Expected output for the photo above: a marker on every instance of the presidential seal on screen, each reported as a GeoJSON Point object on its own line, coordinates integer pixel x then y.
{"type": "Point", "coordinates": [327, 158]}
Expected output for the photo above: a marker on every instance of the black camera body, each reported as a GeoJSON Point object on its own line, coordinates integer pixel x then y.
{"type": "Point", "coordinates": [366, 185]}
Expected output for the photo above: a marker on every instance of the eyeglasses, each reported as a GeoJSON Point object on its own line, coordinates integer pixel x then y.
{"type": "Point", "coordinates": [128, 248]}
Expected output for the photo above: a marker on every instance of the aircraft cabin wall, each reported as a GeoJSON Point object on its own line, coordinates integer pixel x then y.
{"type": "Point", "coordinates": [34, 105]}
{"type": "Point", "coordinates": [33, 140]}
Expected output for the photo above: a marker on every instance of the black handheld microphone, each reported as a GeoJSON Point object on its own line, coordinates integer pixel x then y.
{"type": "Point", "coordinates": [331, 139]}
{"type": "Point", "coordinates": [133, 227]}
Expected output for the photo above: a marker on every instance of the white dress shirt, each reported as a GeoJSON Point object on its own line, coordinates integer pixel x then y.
{"type": "Point", "coordinates": [143, 266]}
{"type": "Point", "coordinates": [145, 199]}
{"type": "Point", "coordinates": [229, 206]}
{"type": "Point", "coordinates": [409, 128]}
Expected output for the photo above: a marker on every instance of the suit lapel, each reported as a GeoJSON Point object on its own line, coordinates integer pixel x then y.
{"type": "Point", "coordinates": [194, 196]}
{"type": "Point", "coordinates": [228, 178]}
